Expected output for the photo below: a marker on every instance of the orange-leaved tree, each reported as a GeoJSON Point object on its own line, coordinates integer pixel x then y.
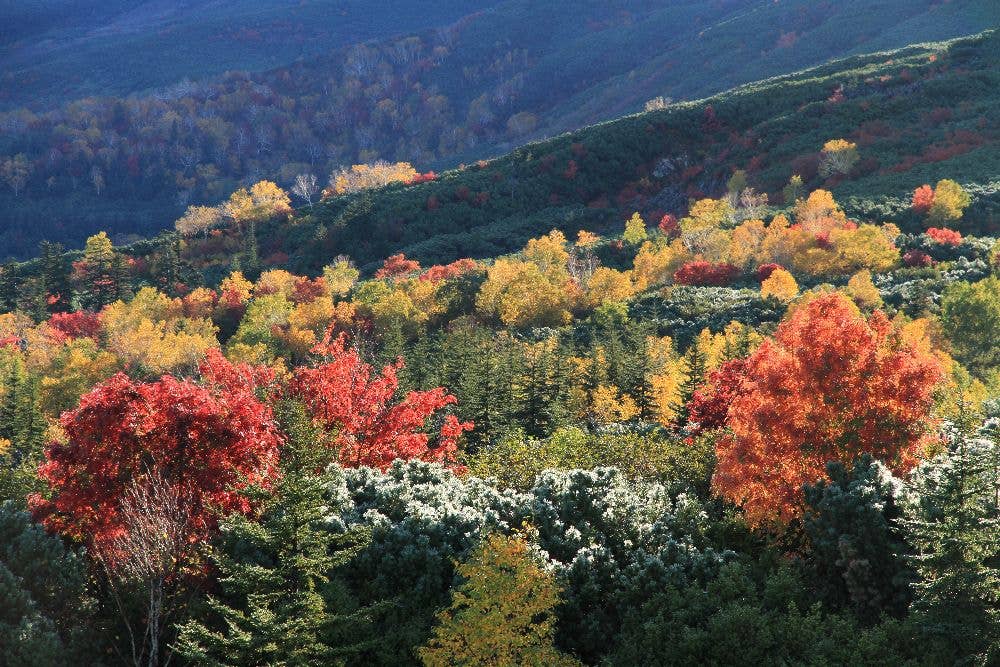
{"type": "Point", "coordinates": [829, 386]}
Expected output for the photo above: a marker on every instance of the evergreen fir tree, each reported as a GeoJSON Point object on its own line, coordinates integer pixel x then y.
{"type": "Point", "coordinates": [120, 286]}
{"type": "Point", "coordinates": [33, 298]}
{"type": "Point", "coordinates": [169, 268]}
{"type": "Point", "coordinates": [55, 270]}
{"type": "Point", "coordinates": [695, 363]}
{"type": "Point", "coordinates": [954, 526]}
{"type": "Point", "coordinates": [543, 388]}
{"type": "Point", "coordinates": [281, 596]}
{"type": "Point", "coordinates": [484, 369]}
{"type": "Point", "coordinates": [251, 252]}
{"type": "Point", "coordinates": [8, 286]}
{"type": "Point", "coordinates": [392, 343]}
{"type": "Point", "coordinates": [22, 430]}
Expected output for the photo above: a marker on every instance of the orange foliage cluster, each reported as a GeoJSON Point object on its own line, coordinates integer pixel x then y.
{"type": "Point", "coordinates": [396, 266]}
{"type": "Point", "coordinates": [829, 386]}
{"type": "Point", "coordinates": [923, 199]}
{"type": "Point", "coordinates": [440, 272]}
{"type": "Point", "coordinates": [944, 236]}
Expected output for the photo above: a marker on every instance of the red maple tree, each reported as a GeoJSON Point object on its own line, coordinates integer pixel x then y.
{"type": "Point", "coordinates": [396, 266]}
{"type": "Point", "coordinates": [367, 425]}
{"type": "Point", "coordinates": [702, 273]}
{"type": "Point", "coordinates": [80, 324]}
{"type": "Point", "coordinates": [206, 440]}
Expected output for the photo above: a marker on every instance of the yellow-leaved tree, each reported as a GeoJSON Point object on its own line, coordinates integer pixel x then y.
{"type": "Point", "coordinates": [837, 157]}
{"type": "Point", "coordinates": [263, 201]}
{"type": "Point", "coordinates": [781, 285]}
{"type": "Point", "coordinates": [503, 612]}
{"type": "Point", "coordinates": [950, 201]}
{"type": "Point", "coordinates": [366, 176]}
{"type": "Point", "coordinates": [535, 291]}
{"type": "Point", "coordinates": [863, 291]}
{"type": "Point", "coordinates": [635, 230]}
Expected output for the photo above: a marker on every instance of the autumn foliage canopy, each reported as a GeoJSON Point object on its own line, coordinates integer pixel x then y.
{"type": "Point", "coordinates": [829, 386]}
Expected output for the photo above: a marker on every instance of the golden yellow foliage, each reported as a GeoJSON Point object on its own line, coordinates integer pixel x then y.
{"type": "Point", "coordinates": [237, 287]}
{"type": "Point", "coordinates": [73, 372]}
{"type": "Point", "coordinates": [819, 212]}
{"type": "Point", "coordinates": [367, 176]}
{"type": "Point", "coordinates": [837, 157]}
{"type": "Point", "coordinates": [263, 201]}
{"type": "Point", "coordinates": [276, 281]}
{"type": "Point", "coordinates": [340, 277]}
{"type": "Point", "coordinates": [520, 294]}
{"type": "Point", "coordinates": [706, 213]}
{"type": "Point", "coordinates": [502, 614]}
{"type": "Point", "coordinates": [99, 250]}
{"type": "Point", "coordinates": [549, 254]}
{"type": "Point", "coordinates": [666, 376]}
{"type": "Point", "coordinates": [746, 244]}
{"type": "Point", "coordinates": [635, 230]}
{"type": "Point", "coordinates": [608, 285]}
{"type": "Point", "coordinates": [608, 405]}
{"type": "Point", "coordinates": [950, 201]}
{"type": "Point", "coordinates": [781, 285]}
{"type": "Point", "coordinates": [585, 239]}
{"type": "Point", "coordinates": [151, 334]}
{"type": "Point", "coordinates": [863, 291]}
{"type": "Point", "coordinates": [655, 264]}
{"type": "Point", "coordinates": [244, 353]}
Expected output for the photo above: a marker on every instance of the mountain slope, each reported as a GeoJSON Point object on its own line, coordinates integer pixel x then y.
{"type": "Point", "coordinates": [918, 115]}
{"type": "Point", "coordinates": [486, 84]}
{"type": "Point", "coordinates": [54, 51]}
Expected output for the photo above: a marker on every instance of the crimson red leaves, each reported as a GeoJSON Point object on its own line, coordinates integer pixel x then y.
{"type": "Point", "coordinates": [206, 440]}
{"type": "Point", "coordinates": [704, 273]}
{"type": "Point", "coordinates": [357, 407]}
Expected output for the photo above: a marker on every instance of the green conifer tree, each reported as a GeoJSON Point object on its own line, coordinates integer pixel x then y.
{"type": "Point", "coordinates": [954, 526]}
{"type": "Point", "coordinates": [55, 269]}
{"type": "Point", "coordinates": [695, 362]}
{"type": "Point", "coordinates": [22, 428]}
{"type": "Point", "coordinates": [280, 594]}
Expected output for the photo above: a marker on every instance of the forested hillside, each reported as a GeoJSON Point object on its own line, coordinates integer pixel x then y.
{"type": "Point", "coordinates": [466, 89]}
{"type": "Point", "coordinates": [57, 51]}
{"type": "Point", "coordinates": [714, 383]}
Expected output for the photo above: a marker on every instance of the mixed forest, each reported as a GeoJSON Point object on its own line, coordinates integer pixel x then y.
{"type": "Point", "coordinates": [715, 383]}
